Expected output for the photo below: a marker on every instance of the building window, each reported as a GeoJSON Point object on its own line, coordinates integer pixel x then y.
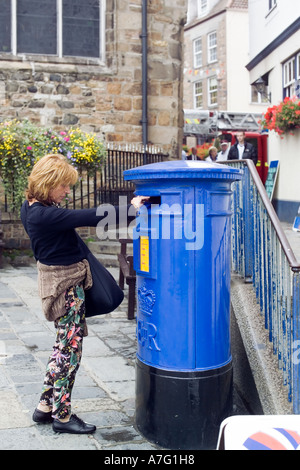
{"type": "Point", "coordinates": [81, 21]}
{"type": "Point", "coordinates": [197, 53]}
{"type": "Point", "coordinates": [5, 30]}
{"type": "Point", "coordinates": [297, 84]}
{"type": "Point", "coordinates": [272, 4]}
{"type": "Point", "coordinates": [198, 93]}
{"type": "Point", "coordinates": [36, 26]}
{"type": "Point", "coordinates": [289, 77]}
{"type": "Point", "coordinates": [212, 47]}
{"type": "Point", "coordinates": [259, 98]}
{"type": "Point", "coordinates": [52, 27]}
{"type": "Point", "coordinates": [212, 91]}
{"type": "Point", "coordinates": [202, 7]}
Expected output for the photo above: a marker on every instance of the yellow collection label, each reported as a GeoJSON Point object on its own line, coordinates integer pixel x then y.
{"type": "Point", "coordinates": [144, 254]}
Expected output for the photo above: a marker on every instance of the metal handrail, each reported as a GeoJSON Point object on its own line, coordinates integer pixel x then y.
{"type": "Point", "coordinates": [263, 255]}
{"type": "Point", "coordinates": [294, 264]}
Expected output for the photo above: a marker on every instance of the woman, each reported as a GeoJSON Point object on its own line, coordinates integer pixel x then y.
{"type": "Point", "coordinates": [63, 275]}
{"type": "Point", "coordinates": [212, 154]}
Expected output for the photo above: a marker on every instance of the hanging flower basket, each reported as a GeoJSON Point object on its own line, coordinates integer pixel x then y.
{"type": "Point", "coordinates": [284, 118]}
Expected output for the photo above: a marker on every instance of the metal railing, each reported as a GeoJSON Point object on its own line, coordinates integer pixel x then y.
{"type": "Point", "coordinates": [107, 185]}
{"type": "Point", "coordinates": [262, 255]}
{"type": "Point", "coordinates": [120, 158]}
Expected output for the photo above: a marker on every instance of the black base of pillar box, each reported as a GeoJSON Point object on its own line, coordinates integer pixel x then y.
{"type": "Point", "coordinates": [182, 410]}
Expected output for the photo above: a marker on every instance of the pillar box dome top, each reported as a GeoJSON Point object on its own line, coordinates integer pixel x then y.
{"type": "Point", "coordinates": [183, 169]}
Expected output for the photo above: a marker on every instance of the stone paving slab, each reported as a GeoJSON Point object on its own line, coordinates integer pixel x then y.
{"type": "Point", "coordinates": [104, 392]}
{"type": "Point", "coordinates": [293, 238]}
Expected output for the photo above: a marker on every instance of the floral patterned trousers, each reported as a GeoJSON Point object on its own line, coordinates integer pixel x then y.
{"type": "Point", "coordinates": [66, 356]}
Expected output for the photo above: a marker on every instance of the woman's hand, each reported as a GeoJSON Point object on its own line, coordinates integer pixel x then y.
{"type": "Point", "coordinates": [138, 201]}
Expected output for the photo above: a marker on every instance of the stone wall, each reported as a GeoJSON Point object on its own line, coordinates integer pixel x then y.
{"type": "Point", "coordinates": [15, 237]}
{"type": "Point", "coordinates": [106, 97]}
{"type": "Point", "coordinates": [165, 73]}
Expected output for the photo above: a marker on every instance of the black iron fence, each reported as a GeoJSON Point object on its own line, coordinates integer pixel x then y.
{"type": "Point", "coordinates": [112, 184]}
{"type": "Point", "coordinates": [106, 186]}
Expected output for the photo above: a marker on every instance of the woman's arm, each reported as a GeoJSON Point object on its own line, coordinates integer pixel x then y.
{"type": "Point", "coordinates": [58, 219]}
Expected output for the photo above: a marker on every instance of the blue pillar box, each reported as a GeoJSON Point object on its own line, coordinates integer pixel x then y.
{"type": "Point", "coordinates": [182, 258]}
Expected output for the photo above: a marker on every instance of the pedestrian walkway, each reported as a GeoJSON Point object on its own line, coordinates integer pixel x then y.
{"type": "Point", "coordinates": [104, 392]}
{"type": "Point", "coordinates": [293, 238]}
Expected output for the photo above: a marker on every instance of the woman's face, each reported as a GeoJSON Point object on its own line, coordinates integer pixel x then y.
{"type": "Point", "coordinates": [59, 193]}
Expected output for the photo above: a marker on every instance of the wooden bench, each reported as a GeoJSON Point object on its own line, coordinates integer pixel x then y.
{"type": "Point", "coordinates": [127, 274]}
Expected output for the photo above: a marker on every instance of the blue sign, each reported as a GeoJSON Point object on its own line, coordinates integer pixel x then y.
{"type": "Point", "coordinates": [297, 89]}
{"type": "Point", "coordinates": [271, 178]}
{"type": "Point", "coordinates": [296, 226]}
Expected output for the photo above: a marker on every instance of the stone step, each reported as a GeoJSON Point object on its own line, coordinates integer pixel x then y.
{"type": "Point", "coordinates": [107, 251]}
{"type": "Point", "coordinates": [105, 247]}
{"type": "Point", "coordinates": [109, 247]}
{"type": "Point", "coordinates": [109, 261]}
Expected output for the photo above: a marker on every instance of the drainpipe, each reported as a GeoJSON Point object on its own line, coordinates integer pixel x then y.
{"type": "Point", "coordinates": [144, 37]}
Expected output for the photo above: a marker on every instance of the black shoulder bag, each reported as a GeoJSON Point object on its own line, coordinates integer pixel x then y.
{"type": "Point", "coordinates": [105, 295]}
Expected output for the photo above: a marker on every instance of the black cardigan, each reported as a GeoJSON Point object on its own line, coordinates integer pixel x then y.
{"type": "Point", "coordinates": [51, 230]}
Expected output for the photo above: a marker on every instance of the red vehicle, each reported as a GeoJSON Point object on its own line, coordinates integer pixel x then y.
{"type": "Point", "coordinates": [260, 141]}
{"type": "Point", "coordinates": [207, 125]}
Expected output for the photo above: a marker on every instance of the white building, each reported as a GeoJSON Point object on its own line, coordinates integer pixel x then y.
{"type": "Point", "coordinates": [274, 48]}
{"type": "Point", "coordinates": [216, 51]}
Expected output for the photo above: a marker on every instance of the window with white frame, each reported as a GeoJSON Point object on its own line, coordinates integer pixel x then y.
{"type": "Point", "coordinates": [202, 7]}
{"type": "Point", "coordinates": [5, 26]}
{"type": "Point", "coordinates": [212, 91]}
{"type": "Point", "coordinates": [212, 47]}
{"type": "Point", "coordinates": [198, 94]}
{"type": "Point", "coordinates": [289, 77]}
{"type": "Point", "coordinates": [197, 53]}
{"type": "Point", "coordinates": [272, 4]}
{"type": "Point", "coordinates": [52, 27]}
{"type": "Point", "coordinates": [297, 83]}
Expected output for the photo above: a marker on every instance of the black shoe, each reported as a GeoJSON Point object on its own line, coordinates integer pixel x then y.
{"type": "Point", "coordinates": [74, 426]}
{"type": "Point", "coordinates": [42, 417]}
